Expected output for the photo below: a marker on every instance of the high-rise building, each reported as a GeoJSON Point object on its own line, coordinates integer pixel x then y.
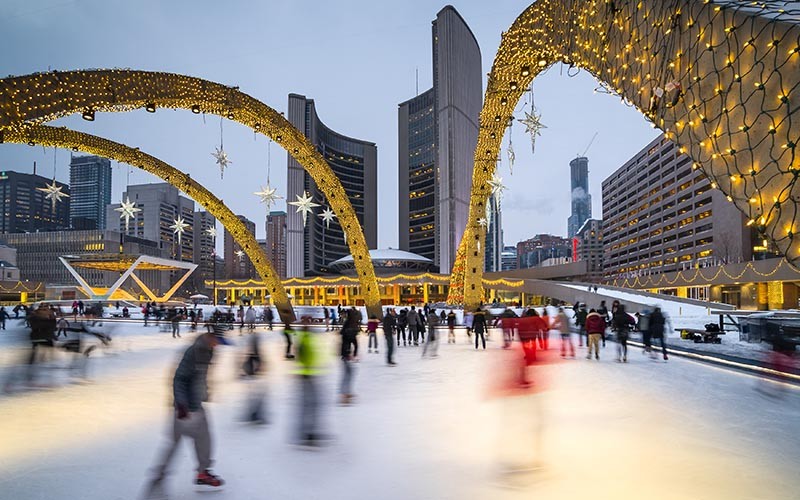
{"type": "Point", "coordinates": [590, 247]}
{"type": "Point", "coordinates": [662, 215]}
{"type": "Point", "coordinates": [237, 263]}
{"type": "Point", "coordinates": [90, 191]}
{"type": "Point", "coordinates": [438, 132]}
{"type": "Point", "coordinates": [25, 209]}
{"type": "Point", "coordinates": [509, 258]}
{"type": "Point", "coordinates": [204, 251]}
{"type": "Point", "coordinates": [581, 199]}
{"type": "Point", "coordinates": [543, 247]}
{"type": "Point", "coordinates": [275, 243]}
{"type": "Point", "coordinates": [161, 204]}
{"type": "Point", "coordinates": [494, 237]}
{"type": "Point", "coordinates": [312, 246]}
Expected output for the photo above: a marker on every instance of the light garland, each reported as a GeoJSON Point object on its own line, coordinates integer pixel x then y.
{"type": "Point", "coordinates": [721, 81]}
{"type": "Point", "coordinates": [699, 277]}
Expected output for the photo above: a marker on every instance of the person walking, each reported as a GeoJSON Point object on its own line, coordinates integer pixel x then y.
{"type": "Point", "coordinates": [595, 329]}
{"type": "Point", "coordinates": [451, 327]}
{"type": "Point", "coordinates": [621, 322]}
{"type": "Point", "coordinates": [190, 390]}
{"type": "Point", "coordinates": [479, 326]}
{"type": "Point", "coordinates": [413, 325]}
{"type": "Point", "coordinates": [656, 327]}
{"type": "Point", "coordinates": [580, 322]}
{"type": "Point", "coordinates": [389, 322]}
{"type": "Point", "coordinates": [372, 334]}
{"type": "Point", "coordinates": [402, 323]}
{"type": "Point", "coordinates": [349, 353]}
{"type": "Point", "coordinates": [562, 324]}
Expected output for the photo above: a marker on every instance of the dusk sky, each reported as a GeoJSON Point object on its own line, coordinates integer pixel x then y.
{"type": "Point", "coordinates": [356, 58]}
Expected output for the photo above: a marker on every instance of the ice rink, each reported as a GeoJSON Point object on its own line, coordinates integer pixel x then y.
{"type": "Point", "coordinates": [424, 429]}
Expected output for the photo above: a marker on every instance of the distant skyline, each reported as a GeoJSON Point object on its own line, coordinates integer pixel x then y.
{"type": "Point", "coordinates": [272, 49]}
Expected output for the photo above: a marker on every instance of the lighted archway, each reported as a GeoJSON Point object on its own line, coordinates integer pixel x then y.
{"type": "Point", "coordinates": [70, 139]}
{"type": "Point", "coordinates": [720, 78]}
{"type": "Point", "coordinates": [41, 97]}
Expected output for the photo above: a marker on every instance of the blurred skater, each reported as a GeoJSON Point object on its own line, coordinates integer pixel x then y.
{"type": "Point", "coordinates": [389, 322]}
{"type": "Point", "coordinates": [479, 326]}
{"type": "Point", "coordinates": [562, 324]}
{"type": "Point", "coordinates": [595, 329]}
{"type": "Point", "coordinates": [253, 369]}
{"type": "Point", "coordinates": [656, 330]}
{"type": "Point", "coordinates": [622, 323]}
{"type": "Point", "coordinates": [372, 334]}
{"type": "Point", "coordinates": [349, 354]}
{"type": "Point", "coordinates": [308, 369]}
{"type": "Point", "coordinates": [451, 327]}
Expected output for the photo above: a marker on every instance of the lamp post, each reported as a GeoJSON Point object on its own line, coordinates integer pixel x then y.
{"type": "Point", "coordinates": [214, 267]}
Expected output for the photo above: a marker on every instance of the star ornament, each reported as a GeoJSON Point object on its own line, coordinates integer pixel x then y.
{"type": "Point", "coordinates": [221, 159]}
{"type": "Point", "coordinates": [533, 126]}
{"type": "Point", "coordinates": [127, 210]}
{"type": "Point", "coordinates": [327, 216]}
{"type": "Point", "coordinates": [268, 195]}
{"type": "Point", "coordinates": [54, 194]}
{"type": "Point", "coordinates": [304, 205]}
{"type": "Point", "coordinates": [212, 231]}
{"type": "Point", "coordinates": [240, 254]}
{"type": "Point", "coordinates": [483, 222]}
{"type": "Point", "coordinates": [496, 183]}
{"type": "Point", "coordinates": [178, 227]}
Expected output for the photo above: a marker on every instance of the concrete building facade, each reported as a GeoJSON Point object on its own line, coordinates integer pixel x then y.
{"type": "Point", "coordinates": [90, 191]}
{"type": "Point", "coordinates": [311, 247]}
{"type": "Point", "coordinates": [275, 242]}
{"type": "Point", "coordinates": [437, 134]}
{"type": "Point", "coordinates": [660, 214]}
{"type": "Point", "coordinates": [590, 248]}
{"type": "Point", "coordinates": [25, 209]}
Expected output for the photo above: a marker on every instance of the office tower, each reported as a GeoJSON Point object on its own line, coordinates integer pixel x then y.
{"type": "Point", "coordinates": [509, 258]}
{"type": "Point", "coordinates": [494, 237]}
{"type": "Point", "coordinates": [237, 263]}
{"type": "Point", "coordinates": [161, 204]}
{"type": "Point", "coordinates": [581, 199]}
{"type": "Point", "coordinates": [203, 248]}
{"type": "Point", "coordinates": [90, 191]}
{"type": "Point", "coordinates": [25, 208]}
{"type": "Point", "coordinates": [589, 239]}
{"type": "Point", "coordinates": [312, 247]}
{"type": "Point", "coordinates": [275, 243]}
{"type": "Point", "coordinates": [438, 132]}
{"type": "Point", "coordinates": [662, 215]}
{"type": "Point", "coordinates": [541, 249]}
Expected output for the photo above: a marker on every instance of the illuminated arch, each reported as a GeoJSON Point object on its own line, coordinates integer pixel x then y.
{"type": "Point", "coordinates": [66, 138]}
{"type": "Point", "coordinates": [42, 97]}
{"type": "Point", "coordinates": [737, 70]}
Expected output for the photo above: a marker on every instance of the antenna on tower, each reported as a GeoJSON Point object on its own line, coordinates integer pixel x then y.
{"type": "Point", "coordinates": [589, 145]}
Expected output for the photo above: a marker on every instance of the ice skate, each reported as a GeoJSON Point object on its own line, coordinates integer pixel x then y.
{"type": "Point", "coordinates": [206, 481]}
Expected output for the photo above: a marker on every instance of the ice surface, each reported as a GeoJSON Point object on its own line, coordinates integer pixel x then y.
{"type": "Point", "coordinates": [423, 429]}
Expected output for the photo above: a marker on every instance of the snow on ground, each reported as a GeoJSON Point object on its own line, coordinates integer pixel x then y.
{"type": "Point", "coordinates": [423, 429]}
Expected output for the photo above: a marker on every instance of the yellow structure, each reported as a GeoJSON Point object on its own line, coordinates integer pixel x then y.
{"type": "Point", "coordinates": [28, 100]}
{"type": "Point", "coordinates": [720, 79]}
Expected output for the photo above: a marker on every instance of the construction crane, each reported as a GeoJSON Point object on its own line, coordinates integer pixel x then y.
{"type": "Point", "coordinates": [589, 145]}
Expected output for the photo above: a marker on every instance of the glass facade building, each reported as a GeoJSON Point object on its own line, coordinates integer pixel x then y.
{"type": "Point", "coordinates": [437, 134]}
{"type": "Point", "coordinates": [311, 247]}
{"type": "Point", "coordinates": [25, 209]}
{"type": "Point", "coordinates": [90, 185]}
{"type": "Point", "coordinates": [581, 199]}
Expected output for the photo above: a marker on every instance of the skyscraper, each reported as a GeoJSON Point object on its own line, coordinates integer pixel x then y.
{"type": "Point", "coordinates": [25, 208]}
{"type": "Point", "coordinates": [90, 191]}
{"type": "Point", "coordinates": [276, 242]}
{"type": "Point", "coordinates": [237, 263]}
{"type": "Point", "coordinates": [438, 131]}
{"type": "Point", "coordinates": [581, 199]}
{"type": "Point", "coordinates": [494, 237]}
{"type": "Point", "coordinates": [311, 247]}
{"type": "Point", "coordinates": [203, 248]}
{"type": "Point", "coordinates": [161, 204]}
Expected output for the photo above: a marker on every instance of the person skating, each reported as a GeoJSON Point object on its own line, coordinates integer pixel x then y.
{"type": "Point", "coordinates": [3, 317]}
{"type": "Point", "coordinates": [389, 322]}
{"type": "Point", "coordinates": [621, 323]}
{"type": "Point", "coordinates": [433, 339]}
{"type": "Point", "coordinates": [175, 319]}
{"type": "Point", "coordinates": [562, 324]}
{"type": "Point", "coordinates": [269, 317]}
{"type": "Point", "coordinates": [190, 390]}
{"type": "Point", "coordinates": [309, 365]}
{"type": "Point", "coordinates": [372, 334]}
{"type": "Point", "coordinates": [253, 369]}
{"type": "Point", "coordinates": [349, 353]}
{"type": "Point", "coordinates": [595, 329]}
{"type": "Point", "coordinates": [402, 323]}
{"type": "Point", "coordinates": [413, 325]}
{"type": "Point", "coordinates": [250, 317]}
{"type": "Point", "coordinates": [287, 333]}
{"type": "Point", "coordinates": [479, 327]}
{"type": "Point", "coordinates": [451, 326]}
{"type": "Point", "coordinates": [62, 325]}
{"type": "Point", "coordinates": [580, 322]}
{"type": "Point", "coordinates": [656, 327]}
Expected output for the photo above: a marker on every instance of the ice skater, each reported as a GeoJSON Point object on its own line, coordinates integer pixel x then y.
{"type": "Point", "coordinates": [189, 390]}
{"type": "Point", "coordinates": [621, 323]}
{"type": "Point", "coordinates": [349, 353]}
{"type": "Point", "coordinates": [479, 327]}
{"type": "Point", "coordinates": [372, 334]}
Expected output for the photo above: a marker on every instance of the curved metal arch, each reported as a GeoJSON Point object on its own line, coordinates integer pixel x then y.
{"type": "Point", "coordinates": [65, 138]}
{"type": "Point", "coordinates": [721, 79]}
{"type": "Point", "coordinates": [41, 97]}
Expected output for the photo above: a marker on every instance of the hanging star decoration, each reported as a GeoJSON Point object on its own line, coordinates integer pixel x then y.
{"type": "Point", "coordinates": [512, 157]}
{"type": "Point", "coordinates": [268, 195]}
{"type": "Point", "coordinates": [327, 216]}
{"type": "Point", "coordinates": [496, 183]}
{"type": "Point", "coordinates": [222, 160]}
{"type": "Point", "coordinates": [240, 254]}
{"type": "Point", "coordinates": [304, 205]}
{"type": "Point", "coordinates": [127, 210]}
{"type": "Point", "coordinates": [178, 227]}
{"type": "Point", "coordinates": [212, 231]}
{"type": "Point", "coordinates": [54, 194]}
{"type": "Point", "coordinates": [483, 222]}
{"type": "Point", "coordinates": [533, 126]}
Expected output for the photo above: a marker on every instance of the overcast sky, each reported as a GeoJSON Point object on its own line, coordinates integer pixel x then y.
{"type": "Point", "coordinates": [356, 58]}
